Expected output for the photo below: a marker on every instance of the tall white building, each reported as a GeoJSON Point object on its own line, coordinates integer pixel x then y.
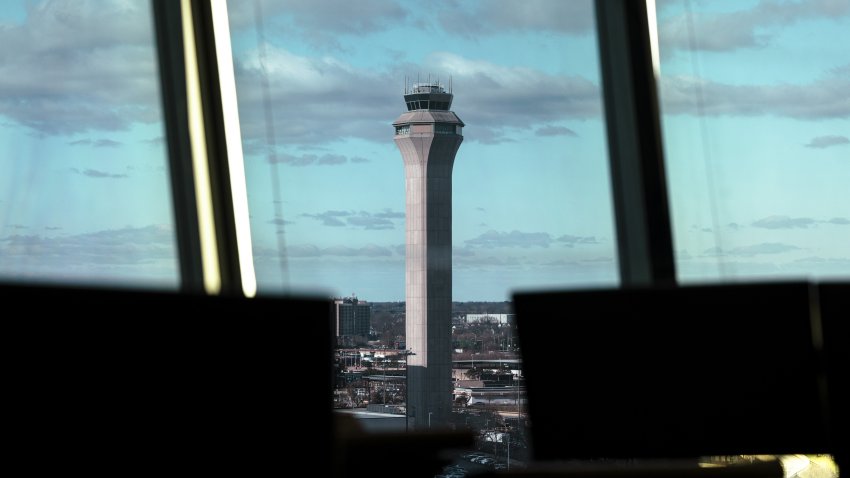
{"type": "Point", "coordinates": [428, 136]}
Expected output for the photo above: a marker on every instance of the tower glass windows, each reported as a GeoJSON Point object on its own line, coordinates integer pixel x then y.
{"type": "Point", "coordinates": [442, 128]}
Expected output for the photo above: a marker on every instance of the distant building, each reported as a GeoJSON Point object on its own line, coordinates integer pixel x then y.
{"type": "Point", "coordinates": [500, 319]}
{"type": "Point", "coordinates": [352, 317]}
{"type": "Point", "coordinates": [490, 397]}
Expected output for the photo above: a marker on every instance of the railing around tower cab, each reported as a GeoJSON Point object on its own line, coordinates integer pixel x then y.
{"type": "Point", "coordinates": [436, 128]}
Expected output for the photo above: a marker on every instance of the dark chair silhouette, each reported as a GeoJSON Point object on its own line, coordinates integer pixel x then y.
{"type": "Point", "coordinates": [110, 382]}
{"type": "Point", "coordinates": [636, 375]}
{"type": "Point", "coordinates": [117, 381]}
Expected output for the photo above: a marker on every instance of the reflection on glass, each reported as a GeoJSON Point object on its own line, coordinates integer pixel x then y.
{"type": "Point", "coordinates": [319, 86]}
{"type": "Point", "coordinates": [755, 116]}
{"type": "Point", "coordinates": [84, 193]}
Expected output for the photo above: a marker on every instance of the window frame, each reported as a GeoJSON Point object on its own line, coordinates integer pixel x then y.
{"type": "Point", "coordinates": [204, 148]}
{"type": "Point", "coordinates": [628, 62]}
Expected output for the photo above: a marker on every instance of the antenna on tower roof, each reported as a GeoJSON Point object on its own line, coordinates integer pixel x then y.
{"type": "Point", "coordinates": [450, 84]}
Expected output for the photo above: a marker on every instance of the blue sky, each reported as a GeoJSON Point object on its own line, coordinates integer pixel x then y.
{"type": "Point", "coordinates": [758, 155]}
{"type": "Point", "coordinates": [84, 192]}
{"type": "Point", "coordinates": [755, 116]}
{"type": "Point", "coordinates": [531, 192]}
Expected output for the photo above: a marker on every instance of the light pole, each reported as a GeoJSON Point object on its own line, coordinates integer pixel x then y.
{"type": "Point", "coordinates": [407, 354]}
{"type": "Point", "coordinates": [385, 383]}
{"type": "Point", "coordinates": [429, 420]}
{"type": "Point", "coordinates": [508, 461]}
{"type": "Point", "coordinates": [518, 408]}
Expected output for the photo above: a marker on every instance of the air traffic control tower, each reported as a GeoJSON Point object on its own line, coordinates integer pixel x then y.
{"type": "Point", "coordinates": [428, 135]}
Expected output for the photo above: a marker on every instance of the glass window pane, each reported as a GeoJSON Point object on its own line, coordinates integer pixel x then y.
{"type": "Point", "coordinates": [526, 203]}
{"type": "Point", "coordinates": [531, 205]}
{"type": "Point", "coordinates": [84, 188]}
{"type": "Point", "coordinates": [756, 123]}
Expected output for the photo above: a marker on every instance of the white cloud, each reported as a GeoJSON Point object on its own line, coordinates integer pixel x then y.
{"type": "Point", "coordinates": [555, 131]}
{"type": "Point", "coordinates": [331, 159]}
{"type": "Point", "coordinates": [324, 99]}
{"type": "Point", "coordinates": [605, 260]}
{"type": "Point", "coordinates": [296, 250]}
{"type": "Point", "coordinates": [784, 222]}
{"type": "Point", "coordinates": [752, 250]}
{"type": "Point", "coordinates": [389, 214]}
{"type": "Point", "coordinates": [507, 261]}
{"type": "Point", "coordinates": [839, 261]}
{"type": "Point", "coordinates": [465, 251]}
{"type": "Point", "coordinates": [319, 23]}
{"type": "Point", "coordinates": [106, 143]}
{"type": "Point", "coordinates": [499, 16]}
{"type": "Point", "coordinates": [747, 28]}
{"type": "Point", "coordinates": [79, 65]}
{"type": "Point", "coordinates": [514, 96]}
{"type": "Point", "coordinates": [367, 221]}
{"type": "Point", "coordinates": [369, 250]}
{"type": "Point", "coordinates": [322, 24]}
{"type": "Point", "coordinates": [132, 254]}
{"type": "Point", "coordinates": [310, 159]}
{"type": "Point", "coordinates": [94, 173]}
{"type": "Point", "coordinates": [823, 98]}
{"type": "Point", "coordinates": [572, 241]}
{"type": "Point", "coordinates": [313, 101]}
{"type": "Point", "coordinates": [491, 239]}
{"type": "Point", "coordinates": [363, 219]}
{"type": "Point", "coordinates": [821, 142]}
{"type": "Point", "coordinates": [330, 218]}
{"type": "Point", "coordinates": [310, 250]}
{"type": "Point", "coordinates": [157, 141]}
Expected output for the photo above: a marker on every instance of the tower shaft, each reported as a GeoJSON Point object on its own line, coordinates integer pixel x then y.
{"type": "Point", "coordinates": [428, 141]}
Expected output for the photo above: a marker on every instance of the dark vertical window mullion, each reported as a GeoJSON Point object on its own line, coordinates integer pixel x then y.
{"type": "Point", "coordinates": [222, 195]}
{"type": "Point", "coordinates": [170, 38]}
{"type": "Point", "coordinates": [172, 73]}
{"type": "Point", "coordinates": [644, 237]}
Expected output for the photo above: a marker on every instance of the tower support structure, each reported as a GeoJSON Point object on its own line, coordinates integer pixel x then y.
{"type": "Point", "coordinates": [428, 135]}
